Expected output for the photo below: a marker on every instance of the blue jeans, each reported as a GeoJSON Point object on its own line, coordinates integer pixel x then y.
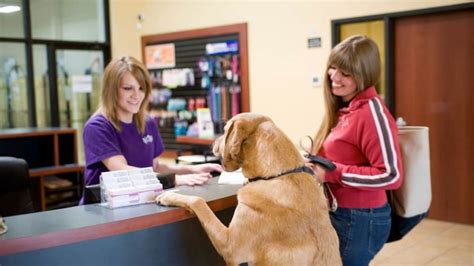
{"type": "Point", "coordinates": [362, 232]}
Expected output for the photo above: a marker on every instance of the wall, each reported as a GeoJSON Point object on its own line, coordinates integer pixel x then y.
{"type": "Point", "coordinates": [280, 64]}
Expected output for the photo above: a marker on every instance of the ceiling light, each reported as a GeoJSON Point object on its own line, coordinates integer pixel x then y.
{"type": "Point", "coordinates": [9, 9]}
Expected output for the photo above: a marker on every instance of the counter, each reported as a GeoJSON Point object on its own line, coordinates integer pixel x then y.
{"type": "Point", "coordinates": [145, 234]}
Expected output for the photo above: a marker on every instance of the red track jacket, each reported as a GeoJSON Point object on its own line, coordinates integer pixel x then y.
{"type": "Point", "coordinates": [364, 147]}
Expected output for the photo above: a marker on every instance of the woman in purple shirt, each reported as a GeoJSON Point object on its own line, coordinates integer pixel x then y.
{"type": "Point", "coordinates": [120, 135]}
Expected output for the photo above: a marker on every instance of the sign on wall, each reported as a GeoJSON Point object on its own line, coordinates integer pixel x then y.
{"type": "Point", "coordinates": [160, 56]}
{"type": "Point", "coordinates": [82, 83]}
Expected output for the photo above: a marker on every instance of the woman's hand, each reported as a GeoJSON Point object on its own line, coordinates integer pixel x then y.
{"type": "Point", "coordinates": [192, 179]}
{"type": "Point", "coordinates": [319, 171]}
{"type": "Point", "coordinates": [200, 174]}
{"type": "Point", "coordinates": [206, 168]}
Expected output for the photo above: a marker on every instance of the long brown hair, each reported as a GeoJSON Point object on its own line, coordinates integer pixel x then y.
{"type": "Point", "coordinates": [113, 75]}
{"type": "Point", "coordinates": [359, 56]}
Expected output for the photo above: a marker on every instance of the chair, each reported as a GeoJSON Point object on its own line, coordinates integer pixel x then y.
{"type": "Point", "coordinates": [15, 195]}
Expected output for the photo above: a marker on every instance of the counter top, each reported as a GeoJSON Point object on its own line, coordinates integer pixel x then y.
{"type": "Point", "coordinates": [64, 226]}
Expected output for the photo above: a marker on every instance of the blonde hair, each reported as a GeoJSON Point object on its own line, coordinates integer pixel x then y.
{"type": "Point", "coordinates": [113, 75]}
{"type": "Point", "coordinates": [359, 56]}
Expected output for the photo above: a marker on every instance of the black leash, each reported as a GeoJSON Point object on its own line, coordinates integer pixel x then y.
{"type": "Point", "coordinates": [316, 159]}
{"type": "Point", "coordinates": [303, 169]}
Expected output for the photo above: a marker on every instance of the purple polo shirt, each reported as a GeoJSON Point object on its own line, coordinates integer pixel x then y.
{"type": "Point", "coordinates": [102, 140]}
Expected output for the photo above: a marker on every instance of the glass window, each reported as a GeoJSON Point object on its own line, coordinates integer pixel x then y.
{"type": "Point", "coordinates": [76, 106]}
{"type": "Point", "coordinates": [13, 93]}
{"type": "Point", "coordinates": [42, 87]}
{"type": "Point", "coordinates": [68, 20]}
{"type": "Point", "coordinates": [11, 19]}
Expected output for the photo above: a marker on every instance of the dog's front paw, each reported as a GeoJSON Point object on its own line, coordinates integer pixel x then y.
{"type": "Point", "coordinates": [171, 199]}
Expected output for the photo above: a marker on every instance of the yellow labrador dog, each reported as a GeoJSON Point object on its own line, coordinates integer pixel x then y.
{"type": "Point", "coordinates": [282, 215]}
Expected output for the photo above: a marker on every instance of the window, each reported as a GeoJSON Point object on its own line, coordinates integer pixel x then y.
{"type": "Point", "coordinates": [61, 40]}
{"type": "Point", "coordinates": [13, 94]}
{"type": "Point", "coordinates": [68, 20]}
{"type": "Point", "coordinates": [11, 19]}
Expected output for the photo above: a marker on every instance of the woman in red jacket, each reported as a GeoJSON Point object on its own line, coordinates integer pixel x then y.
{"type": "Point", "coordinates": [360, 136]}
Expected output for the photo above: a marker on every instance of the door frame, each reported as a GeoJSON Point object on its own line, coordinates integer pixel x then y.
{"type": "Point", "coordinates": [389, 19]}
{"type": "Point", "coordinates": [438, 181]}
{"type": "Point", "coordinates": [51, 49]}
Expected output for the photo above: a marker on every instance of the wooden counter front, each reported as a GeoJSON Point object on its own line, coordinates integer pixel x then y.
{"type": "Point", "coordinates": [52, 237]}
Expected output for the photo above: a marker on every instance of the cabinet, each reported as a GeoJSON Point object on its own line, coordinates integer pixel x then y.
{"type": "Point", "coordinates": [193, 69]}
{"type": "Point", "coordinates": [51, 153]}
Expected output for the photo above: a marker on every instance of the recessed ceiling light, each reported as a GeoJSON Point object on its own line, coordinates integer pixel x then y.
{"type": "Point", "coordinates": [9, 9]}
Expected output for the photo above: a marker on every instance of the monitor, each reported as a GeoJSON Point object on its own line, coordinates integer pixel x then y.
{"type": "Point", "coordinates": [92, 194]}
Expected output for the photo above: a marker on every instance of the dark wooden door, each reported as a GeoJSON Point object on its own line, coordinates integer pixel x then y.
{"type": "Point", "coordinates": [434, 87]}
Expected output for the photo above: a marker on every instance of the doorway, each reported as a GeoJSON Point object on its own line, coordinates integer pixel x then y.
{"type": "Point", "coordinates": [433, 56]}
{"type": "Point", "coordinates": [67, 95]}
{"type": "Point", "coordinates": [428, 62]}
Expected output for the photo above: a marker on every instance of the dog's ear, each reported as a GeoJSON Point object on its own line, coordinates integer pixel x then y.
{"type": "Point", "coordinates": [234, 139]}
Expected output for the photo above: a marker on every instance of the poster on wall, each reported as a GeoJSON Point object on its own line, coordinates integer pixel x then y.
{"type": "Point", "coordinates": [205, 125]}
{"type": "Point", "coordinates": [160, 56]}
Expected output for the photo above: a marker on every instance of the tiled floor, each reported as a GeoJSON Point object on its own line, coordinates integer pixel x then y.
{"type": "Point", "coordinates": [432, 242]}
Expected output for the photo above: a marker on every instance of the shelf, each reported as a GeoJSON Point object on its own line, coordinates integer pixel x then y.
{"type": "Point", "coordinates": [48, 152]}
{"type": "Point", "coordinates": [33, 132]}
{"type": "Point", "coordinates": [190, 93]}
{"type": "Point", "coordinates": [231, 98]}
{"type": "Point", "coordinates": [52, 170]}
{"type": "Point", "coordinates": [55, 190]}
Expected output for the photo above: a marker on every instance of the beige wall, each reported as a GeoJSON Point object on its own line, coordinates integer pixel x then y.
{"type": "Point", "coordinates": [280, 64]}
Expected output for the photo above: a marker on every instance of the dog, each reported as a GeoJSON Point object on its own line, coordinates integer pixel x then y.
{"type": "Point", "coordinates": [282, 214]}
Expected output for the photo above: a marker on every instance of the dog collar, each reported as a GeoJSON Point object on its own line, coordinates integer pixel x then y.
{"type": "Point", "coordinates": [304, 169]}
